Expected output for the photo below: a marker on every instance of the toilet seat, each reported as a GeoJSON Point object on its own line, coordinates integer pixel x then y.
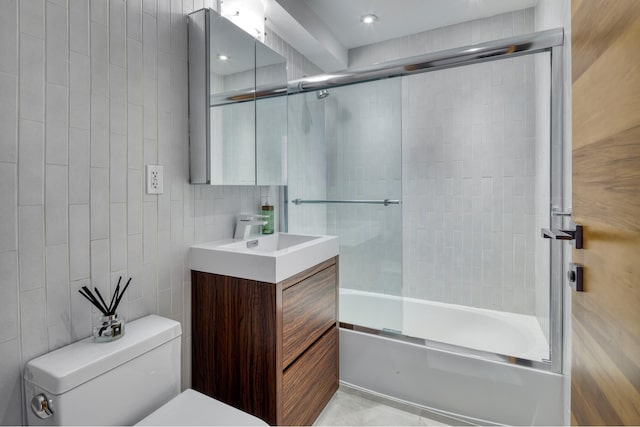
{"type": "Point", "coordinates": [192, 408]}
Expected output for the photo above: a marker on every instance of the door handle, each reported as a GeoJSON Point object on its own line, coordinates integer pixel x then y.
{"type": "Point", "coordinates": [557, 234]}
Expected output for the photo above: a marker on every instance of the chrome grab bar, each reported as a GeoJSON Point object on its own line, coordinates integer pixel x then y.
{"type": "Point", "coordinates": [385, 202]}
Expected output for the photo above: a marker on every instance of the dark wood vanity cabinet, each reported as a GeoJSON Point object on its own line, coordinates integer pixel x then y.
{"type": "Point", "coordinates": [270, 349]}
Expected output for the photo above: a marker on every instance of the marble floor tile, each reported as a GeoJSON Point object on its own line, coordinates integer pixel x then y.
{"type": "Point", "coordinates": [346, 409]}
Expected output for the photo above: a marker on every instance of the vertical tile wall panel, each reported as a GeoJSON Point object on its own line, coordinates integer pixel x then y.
{"type": "Point", "coordinates": [118, 217]}
{"type": "Point", "coordinates": [80, 311]}
{"type": "Point", "coordinates": [134, 71]}
{"type": "Point", "coordinates": [9, 301]}
{"type": "Point", "coordinates": [33, 324]}
{"type": "Point", "coordinates": [11, 382]}
{"type": "Point", "coordinates": [99, 203]}
{"type": "Point", "coordinates": [79, 91]}
{"type": "Point", "coordinates": [78, 166]}
{"type": "Point", "coordinates": [134, 267]}
{"type": "Point", "coordinates": [57, 124]}
{"type": "Point", "coordinates": [8, 117]}
{"type": "Point", "coordinates": [134, 137]}
{"type": "Point", "coordinates": [100, 264]}
{"type": "Point", "coordinates": [32, 18]}
{"type": "Point", "coordinates": [56, 202]}
{"type": "Point", "coordinates": [134, 202]}
{"type": "Point", "coordinates": [57, 281]}
{"type": "Point", "coordinates": [99, 12]}
{"type": "Point", "coordinates": [31, 163]}
{"type": "Point", "coordinates": [79, 26]}
{"type": "Point", "coordinates": [31, 247]}
{"type": "Point", "coordinates": [117, 32]}
{"type": "Point", "coordinates": [134, 19]}
{"type": "Point", "coordinates": [79, 242]}
{"type": "Point", "coordinates": [57, 44]}
{"type": "Point", "coordinates": [8, 206]}
{"type": "Point", "coordinates": [118, 168]}
{"type": "Point", "coordinates": [9, 36]}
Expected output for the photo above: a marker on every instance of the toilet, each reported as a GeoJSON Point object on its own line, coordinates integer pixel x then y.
{"type": "Point", "coordinates": [133, 380]}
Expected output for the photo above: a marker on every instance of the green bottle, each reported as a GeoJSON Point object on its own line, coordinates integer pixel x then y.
{"type": "Point", "coordinates": [269, 213]}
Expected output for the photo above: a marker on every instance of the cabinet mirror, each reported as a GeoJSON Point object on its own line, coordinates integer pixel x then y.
{"type": "Point", "coordinates": [237, 105]}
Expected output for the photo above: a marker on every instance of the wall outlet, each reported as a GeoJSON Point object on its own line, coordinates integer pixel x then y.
{"type": "Point", "coordinates": [154, 179]}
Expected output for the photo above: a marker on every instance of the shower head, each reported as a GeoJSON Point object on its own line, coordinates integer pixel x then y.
{"type": "Point", "coordinates": [322, 93]}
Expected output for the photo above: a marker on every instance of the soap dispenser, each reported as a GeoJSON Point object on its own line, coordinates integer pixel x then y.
{"type": "Point", "coordinates": [269, 216]}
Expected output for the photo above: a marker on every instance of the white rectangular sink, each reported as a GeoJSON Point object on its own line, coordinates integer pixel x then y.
{"type": "Point", "coordinates": [271, 258]}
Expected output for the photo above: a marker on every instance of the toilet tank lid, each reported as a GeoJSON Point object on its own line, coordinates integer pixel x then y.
{"type": "Point", "coordinates": [68, 367]}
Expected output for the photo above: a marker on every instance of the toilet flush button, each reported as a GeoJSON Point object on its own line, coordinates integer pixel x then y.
{"type": "Point", "coordinates": [41, 406]}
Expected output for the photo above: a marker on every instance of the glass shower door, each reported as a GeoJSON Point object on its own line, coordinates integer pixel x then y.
{"type": "Point", "coordinates": [477, 161]}
{"type": "Point", "coordinates": [345, 180]}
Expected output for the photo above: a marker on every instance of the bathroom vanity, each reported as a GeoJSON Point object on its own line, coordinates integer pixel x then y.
{"type": "Point", "coordinates": [268, 347]}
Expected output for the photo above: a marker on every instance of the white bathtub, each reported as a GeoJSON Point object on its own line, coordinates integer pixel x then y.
{"type": "Point", "coordinates": [459, 383]}
{"type": "Point", "coordinates": [502, 333]}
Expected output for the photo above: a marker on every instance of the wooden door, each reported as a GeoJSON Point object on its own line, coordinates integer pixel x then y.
{"type": "Point", "coordinates": [606, 200]}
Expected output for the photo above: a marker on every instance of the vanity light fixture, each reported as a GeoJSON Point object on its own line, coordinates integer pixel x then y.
{"type": "Point", "coordinates": [368, 19]}
{"type": "Point", "coordinates": [223, 57]}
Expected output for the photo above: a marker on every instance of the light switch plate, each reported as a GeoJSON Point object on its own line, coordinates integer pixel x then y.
{"type": "Point", "coordinates": [154, 179]}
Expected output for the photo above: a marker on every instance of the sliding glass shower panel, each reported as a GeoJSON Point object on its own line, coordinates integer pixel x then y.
{"type": "Point", "coordinates": [476, 173]}
{"type": "Point", "coordinates": [345, 180]}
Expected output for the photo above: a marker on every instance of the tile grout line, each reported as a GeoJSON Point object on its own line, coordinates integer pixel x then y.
{"type": "Point", "coordinates": [89, 160]}
{"type": "Point", "coordinates": [23, 414]}
{"type": "Point", "coordinates": [44, 177]}
{"type": "Point", "coordinates": [68, 266]}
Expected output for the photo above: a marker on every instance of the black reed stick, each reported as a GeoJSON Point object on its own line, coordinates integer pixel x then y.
{"type": "Point", "coordinates": [115, 294]}
{"type": "Point", "coordinates": [104, 304]}
{"type": "Point", "coordinates": [121, 295]}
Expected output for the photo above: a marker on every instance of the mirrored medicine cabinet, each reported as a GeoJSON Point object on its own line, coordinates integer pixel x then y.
{"type": "Point", "coordinates": [237, 105]}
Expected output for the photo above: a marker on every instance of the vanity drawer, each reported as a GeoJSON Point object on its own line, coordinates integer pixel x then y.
{"type": "Point", "coordinates": [308, 310]}
{"type": "Point", "coordinates": [309, 383]}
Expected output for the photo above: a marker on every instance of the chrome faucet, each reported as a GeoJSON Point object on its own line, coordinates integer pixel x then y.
{"type": "Point", "coordinates": [244, 224]}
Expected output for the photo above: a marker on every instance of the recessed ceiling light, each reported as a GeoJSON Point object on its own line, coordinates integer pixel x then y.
{"type": "Point", "coordinates": [368, 19]}
{"type": "Point", "coordinates": [222, 57]}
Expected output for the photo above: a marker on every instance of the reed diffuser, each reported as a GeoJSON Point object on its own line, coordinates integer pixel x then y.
{"type": "Point", "coordinates": [111, 326]}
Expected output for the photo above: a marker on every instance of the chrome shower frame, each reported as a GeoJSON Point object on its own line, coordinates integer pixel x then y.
{"type": "Point", "coordinates": [550, 41]}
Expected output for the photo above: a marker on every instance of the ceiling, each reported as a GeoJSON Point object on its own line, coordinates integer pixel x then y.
{"type": "Point", "coordinates": [397, 18]}
{"type": "Point", "coordinates": [325, 30]}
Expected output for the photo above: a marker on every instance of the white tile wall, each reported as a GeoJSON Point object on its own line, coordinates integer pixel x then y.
{"type": "Point", "coordinates": [473, 193]}
{"type": "Point", "coordinates": [91, 92]}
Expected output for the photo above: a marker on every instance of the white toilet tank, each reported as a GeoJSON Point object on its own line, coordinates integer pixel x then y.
{"type": "Point", "coordinates": [115, 383]}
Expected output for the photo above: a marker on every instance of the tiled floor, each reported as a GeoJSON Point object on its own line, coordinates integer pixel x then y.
{"type": "Point", "coordinates": [346, 409]}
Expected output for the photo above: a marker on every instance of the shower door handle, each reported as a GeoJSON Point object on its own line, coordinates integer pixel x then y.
{"type": "Point", "coordinates": [556, 234]}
